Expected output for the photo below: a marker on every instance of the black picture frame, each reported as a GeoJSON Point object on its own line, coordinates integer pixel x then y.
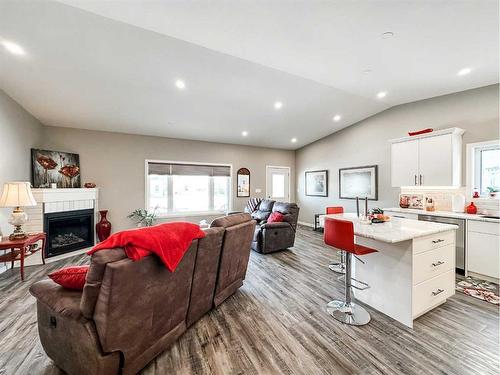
{"type": "Point", "coordinates": [320, 172]}
{"type": "Point", "coordinates": [342, 194]}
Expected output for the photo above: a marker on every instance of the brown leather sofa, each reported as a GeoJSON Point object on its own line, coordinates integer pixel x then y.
{"type": "Point", "coordinates": [271, 237]}
{"type": "Point", "coordinates": [129, 312]}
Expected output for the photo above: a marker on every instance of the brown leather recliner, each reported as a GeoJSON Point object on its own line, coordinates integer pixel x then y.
{"type": "Point", "coordinates": [271, 237]}
{"type": "Point", "coordinates": [129, 312]}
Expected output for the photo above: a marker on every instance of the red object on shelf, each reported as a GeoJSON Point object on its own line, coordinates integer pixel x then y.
{"type": "Point", "coordinates": [103, 227]}
{"type": "Point", "coordinates": [471, 208]}
{"type": "Point", "coordinates": [418, 132]}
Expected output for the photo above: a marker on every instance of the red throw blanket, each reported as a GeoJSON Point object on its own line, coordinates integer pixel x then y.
{"type": "Point", "coordinates": [169, 241]}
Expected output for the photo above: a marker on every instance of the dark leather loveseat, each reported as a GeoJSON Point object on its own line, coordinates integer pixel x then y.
{"type": "Point", "coordinates": [129, 312]}
{"type": "Point", "coordinates": [271, 237]}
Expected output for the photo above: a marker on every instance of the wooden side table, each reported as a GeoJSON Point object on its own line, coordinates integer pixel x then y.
{"type": "Point", "coordinates": [22, 248]}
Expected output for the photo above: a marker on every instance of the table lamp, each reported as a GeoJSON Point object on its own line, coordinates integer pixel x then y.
{"type": "Point", "coordinates": [17, 195]}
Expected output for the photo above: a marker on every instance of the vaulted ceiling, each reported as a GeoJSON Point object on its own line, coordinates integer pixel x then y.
{"type": "Point", "coordinates": [116, 65]}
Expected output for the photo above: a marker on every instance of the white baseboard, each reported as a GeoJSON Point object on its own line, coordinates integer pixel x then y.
{"type": "Point", "coordinates": [305, 224]}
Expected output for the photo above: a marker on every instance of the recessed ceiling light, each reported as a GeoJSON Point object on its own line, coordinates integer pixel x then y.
{"type": "Point", "coordinates": [464, 71]}
{"type": "Point", "coordinates": [337, 118]}
{"type": "Point", "coordinates": [278, 105]}
{"type": "Point", "coordinates": [244, 133]}
{"type": "Point", "coordinates": [382, 94]}
{"type": "Point", "coordinates": [294, 140]}
{"type": "Point", "coordinates": [13, 48]}
{"type": "Point", "coordinates": [387, 35]}
{"type": "Point", "coordinates": [180, 84]}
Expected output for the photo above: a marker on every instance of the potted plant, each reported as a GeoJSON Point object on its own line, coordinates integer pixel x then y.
{"type": "Point", "coordinates": [493, 191]}
{"type": "Point", "coordinates": [143, 218]}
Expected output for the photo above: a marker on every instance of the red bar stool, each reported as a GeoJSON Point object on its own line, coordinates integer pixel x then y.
{"type": "Point", "coordinates": [338, 267]}
{"type": "Point", "coordinates": [340, 234]}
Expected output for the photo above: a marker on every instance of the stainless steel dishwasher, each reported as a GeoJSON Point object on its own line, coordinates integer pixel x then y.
{"type": "Point", "coordinates": [460, 241]}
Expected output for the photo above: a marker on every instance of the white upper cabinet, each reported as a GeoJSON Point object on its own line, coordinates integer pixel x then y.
{"type": "Point", "coordinates": [432, 159]}
{"type": "Point", "coordinates": [404, 164]}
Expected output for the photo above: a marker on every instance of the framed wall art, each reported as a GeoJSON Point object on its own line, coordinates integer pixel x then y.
{"type": "Point", "coordinates": [317, 183]}
{"type": "Point", "coordinates": [359, 182]}
{"type": "Point", "coordinates": [61, 168]}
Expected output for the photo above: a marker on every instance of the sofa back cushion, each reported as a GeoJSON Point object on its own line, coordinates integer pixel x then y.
{"type": "Point", "coordinates": [205, 274]}
{"type": "Point", "coordinates": [95, 274]}
{"type": "Point", "coordinates": [140, 302]}
{"type": "Point", "coordinates": [239, 230]}
{"type": "Point", "coordinates": [290, 212]}
{"type": "Point", "coordinates": [264, 210]}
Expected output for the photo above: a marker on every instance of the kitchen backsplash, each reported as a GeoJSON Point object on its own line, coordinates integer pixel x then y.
{"type": "Point", "coordinates": [443, 199]}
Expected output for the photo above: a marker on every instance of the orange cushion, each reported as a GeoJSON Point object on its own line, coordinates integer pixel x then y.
{"type": "Point", "coordinates": [70, 277]}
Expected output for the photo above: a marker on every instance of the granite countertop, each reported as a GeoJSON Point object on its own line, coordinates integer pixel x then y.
{"type": "Point", "coordinates": [457, 215]}
{"type": "Point", "coordinates": [396, 230]}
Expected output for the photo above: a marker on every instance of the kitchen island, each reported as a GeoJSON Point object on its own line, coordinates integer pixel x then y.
{"type": "Point", "coordinates": [413, 271]}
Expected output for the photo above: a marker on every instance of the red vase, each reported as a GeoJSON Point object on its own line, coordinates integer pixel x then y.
{"type": "Point", "coordinates": [103, 227]}
{"type": "Point", "coordinates": [471, 208]}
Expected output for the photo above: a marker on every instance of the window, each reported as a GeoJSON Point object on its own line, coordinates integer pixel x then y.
{"type": "Point", "coordinates": [485, 165]}
{"type": "Point", "coordinates": [187, 189]}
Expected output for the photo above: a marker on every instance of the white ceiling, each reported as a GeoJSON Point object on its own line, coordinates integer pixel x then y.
{"type": "Point", "coordinates": [111, 65]}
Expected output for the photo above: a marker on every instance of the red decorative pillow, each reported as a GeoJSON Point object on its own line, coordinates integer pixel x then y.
{"type": "Point", "coordinates": [276, 217]}
{"type": "Point", "coordinates": [70, 277]}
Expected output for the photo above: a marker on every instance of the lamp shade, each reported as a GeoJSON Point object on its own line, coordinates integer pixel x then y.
{"type": "Point", "coordinates": [17, 194]}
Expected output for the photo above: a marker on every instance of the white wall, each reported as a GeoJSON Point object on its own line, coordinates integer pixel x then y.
{"type": "Point", "coordinates": [19, 132]}
{"type": "Point", "coordinates": [115, 162]}
{"type": "Point", "coordinates": [366, 142]}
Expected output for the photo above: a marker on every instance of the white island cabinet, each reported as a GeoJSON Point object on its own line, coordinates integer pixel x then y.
{"type": "Point", "coordinates": [413, 270]}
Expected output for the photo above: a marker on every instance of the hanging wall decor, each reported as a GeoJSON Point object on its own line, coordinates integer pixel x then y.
{"type": "Point", "coordinates": [243, 182]}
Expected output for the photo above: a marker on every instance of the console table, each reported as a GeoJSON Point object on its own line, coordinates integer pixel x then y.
{"type": "Point", "coordinates": [22, 248]}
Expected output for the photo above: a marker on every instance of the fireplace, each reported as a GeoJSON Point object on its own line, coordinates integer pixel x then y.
{"type": "Point", "coordinates": [68, 231]}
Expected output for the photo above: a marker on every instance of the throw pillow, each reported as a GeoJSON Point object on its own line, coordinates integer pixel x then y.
{"type": "Point", "coordinates": [276, 217]}
{"type": "Point", "coordinates": [70, 277]}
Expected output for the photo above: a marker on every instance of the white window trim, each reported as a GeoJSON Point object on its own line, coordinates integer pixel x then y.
{"type": "Point", "coordinates": [471, 165]}
{"type": "Point", "coordinates": [192, 213]}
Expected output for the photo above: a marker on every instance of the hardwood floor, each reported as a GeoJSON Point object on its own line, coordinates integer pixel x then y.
{"type": "Point", "coordinates": [277, 324]}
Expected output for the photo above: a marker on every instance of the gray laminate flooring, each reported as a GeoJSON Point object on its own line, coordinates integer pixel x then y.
{"type": "Point", "coordinates": [277, 324]}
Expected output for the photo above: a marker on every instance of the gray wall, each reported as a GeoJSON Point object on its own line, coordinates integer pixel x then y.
{"type": "Point", "coordinates": [115, 162]}
{"type": "Point", "coordinates": [19, 132]}
{"type": "Point", "coordinates": [366, 142]}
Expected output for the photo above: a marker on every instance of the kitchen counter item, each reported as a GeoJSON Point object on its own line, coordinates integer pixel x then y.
{"type": "Point", "coordinates": [458, 203]}
{"type": "Point", "coordinates": [471, 209]}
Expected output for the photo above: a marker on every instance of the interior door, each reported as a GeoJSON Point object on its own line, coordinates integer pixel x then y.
{"type": "Point", "coordinates": [278, 183]}
{"type": "Point", "coordinates": [404, 163]}
{"type": "Point", "coordinates": [435, 161]}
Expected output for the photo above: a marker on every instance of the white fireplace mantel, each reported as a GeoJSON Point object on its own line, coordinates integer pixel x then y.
{"type": "Point", "coordinates": [58, 200]}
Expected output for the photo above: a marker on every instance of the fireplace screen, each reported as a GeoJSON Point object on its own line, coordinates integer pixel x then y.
{"type": "Point", "coordinates": [69, 231]}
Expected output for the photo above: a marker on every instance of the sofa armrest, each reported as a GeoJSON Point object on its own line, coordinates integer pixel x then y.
{"type": "Point", "coordinates": [276, 225]}
{"type": "Point", "coordinates": [60, 300]}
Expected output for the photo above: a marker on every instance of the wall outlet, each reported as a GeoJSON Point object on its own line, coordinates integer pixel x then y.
{"type": "Point", "coordinates": [258, 190]}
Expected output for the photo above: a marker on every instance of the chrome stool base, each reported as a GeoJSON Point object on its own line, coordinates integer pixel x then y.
{"type": "Point", "coordinates": [337, 267]}
{"type": "Point", "coordinates": [348, 313]}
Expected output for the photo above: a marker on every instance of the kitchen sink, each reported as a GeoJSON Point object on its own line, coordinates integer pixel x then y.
{"type": "Point", "coordinates": [490, 216]}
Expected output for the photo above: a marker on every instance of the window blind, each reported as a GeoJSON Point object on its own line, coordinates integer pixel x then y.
{"type": "Point", "coordinates": [177, 169]}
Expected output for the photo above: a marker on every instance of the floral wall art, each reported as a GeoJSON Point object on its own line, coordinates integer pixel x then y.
{"type": "Point", "coordinates": [49, 167]}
